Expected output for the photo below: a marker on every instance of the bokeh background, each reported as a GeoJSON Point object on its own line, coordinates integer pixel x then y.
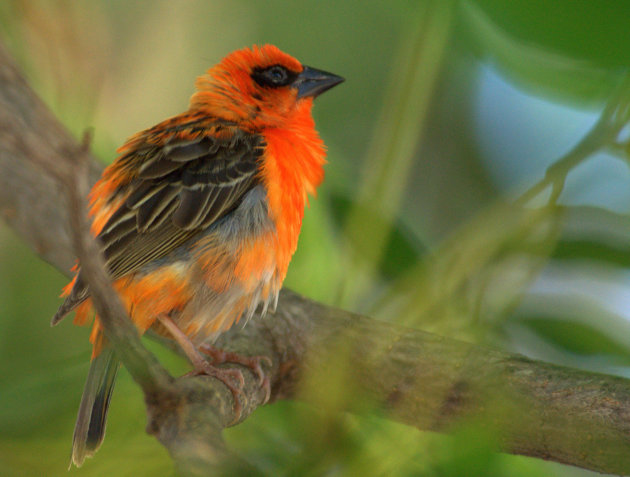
{"type": "Point", "coordinates": [435, 212]}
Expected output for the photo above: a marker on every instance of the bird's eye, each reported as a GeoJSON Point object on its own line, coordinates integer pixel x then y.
{"type": "Point", "coordinates": [274, 76]}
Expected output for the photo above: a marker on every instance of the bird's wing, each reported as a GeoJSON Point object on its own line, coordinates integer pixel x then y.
{"type": "Point", "coordinates": [180, 188]}
{"type": "Point", "coordinates": [181, 178]}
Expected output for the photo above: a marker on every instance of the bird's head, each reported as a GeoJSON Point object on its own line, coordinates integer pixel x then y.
{"type": "Point", "coordinates": [260, 87]}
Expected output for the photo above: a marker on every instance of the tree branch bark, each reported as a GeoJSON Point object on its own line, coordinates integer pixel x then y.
{"type": "Point", "coordinates": [423, 380]}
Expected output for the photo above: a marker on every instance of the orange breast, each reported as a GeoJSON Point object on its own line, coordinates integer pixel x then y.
{"type": "Point", "coordinates": [292, 167]}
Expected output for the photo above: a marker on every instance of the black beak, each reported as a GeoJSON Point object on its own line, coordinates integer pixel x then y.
{"type": "Point", "coordinates": [312, 82]}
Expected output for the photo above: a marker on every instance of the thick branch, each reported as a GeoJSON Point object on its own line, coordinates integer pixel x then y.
{"type": "Point", "coordinates": [420, 379]}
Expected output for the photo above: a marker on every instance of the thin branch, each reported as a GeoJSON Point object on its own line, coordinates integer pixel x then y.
{"type": "Point", "coordinates": [417, 378]}
{"type": "Point", "coordinates": [122, 334]}
{"type": "Point", "coordinates": [603, 135]}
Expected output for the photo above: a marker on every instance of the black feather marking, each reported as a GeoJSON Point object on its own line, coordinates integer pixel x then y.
{"type": "Point", "coordinates": [115, 238]}
{"type": "Point", "coordinates": [158, 168]}
{"type": "Point", "coordinates": [143, 192]}
{"type": "Point", "coordinates": [164, 214]}
{"type": "Point", "coordinates": [189, 151]}
{"type": "Point", "coordinates": [122, 227]}
{"type": "Point", "coordinates": [245, 167]}
{"type": "Point", "coordinates": [123, 213]}
{"type": "Point", "coordinates": [118, 246]}
{"type": "Point", "coordinates": [191, 205]}
{"type": "Point", "coordinates": [152, 208]}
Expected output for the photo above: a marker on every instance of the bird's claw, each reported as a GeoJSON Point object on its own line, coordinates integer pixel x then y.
{"type": "Point", "coordinates": [253, 363]}
{"type": "Point", "coordinates": [228, 377]}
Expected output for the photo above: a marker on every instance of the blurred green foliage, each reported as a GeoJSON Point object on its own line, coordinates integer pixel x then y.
{"type": "Point", "coordinates": [416, 222]}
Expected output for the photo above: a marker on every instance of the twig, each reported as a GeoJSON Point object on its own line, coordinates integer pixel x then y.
{"type": "Point", "coordinates": [602, 135]}
{"type": "Point", "coordinates": [141, 364]}
{"type": "Point", "coordinates": [179, 412]}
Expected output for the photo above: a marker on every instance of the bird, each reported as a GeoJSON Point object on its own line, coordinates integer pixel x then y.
{"type": "Point", "coordinates": [198, 217]}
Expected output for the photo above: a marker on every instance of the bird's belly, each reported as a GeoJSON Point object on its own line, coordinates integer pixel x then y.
{"type": "Point", "coordinates": [228, 271]}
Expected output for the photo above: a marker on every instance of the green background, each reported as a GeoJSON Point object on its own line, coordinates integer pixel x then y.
{"type": "Point", "coordinates": [450, 111]}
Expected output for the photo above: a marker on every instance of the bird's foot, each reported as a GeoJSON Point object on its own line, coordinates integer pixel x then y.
{"type": "Point", "coordinates": [232, 378]}
{"type": "Point", "coordinates": [253, 363]}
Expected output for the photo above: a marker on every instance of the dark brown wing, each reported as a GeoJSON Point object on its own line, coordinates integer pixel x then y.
{"type": "Point", "coordinates": [181, 187]}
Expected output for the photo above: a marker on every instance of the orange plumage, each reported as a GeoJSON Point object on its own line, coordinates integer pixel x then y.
{"type": "Point", "coordinates": [199, 216]}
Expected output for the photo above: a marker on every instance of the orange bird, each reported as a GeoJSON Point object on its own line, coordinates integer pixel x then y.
{"type": "Point", "coordinates": [199, 216]}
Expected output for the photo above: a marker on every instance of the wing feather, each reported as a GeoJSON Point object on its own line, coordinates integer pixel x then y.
{"type": "Point", "coordinates": [147, 211]}
{"type": "Point", "coordinates": [184, 178]}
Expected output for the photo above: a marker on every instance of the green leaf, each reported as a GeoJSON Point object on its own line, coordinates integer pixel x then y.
{"type": "Point", "coordinates": [542, 68]}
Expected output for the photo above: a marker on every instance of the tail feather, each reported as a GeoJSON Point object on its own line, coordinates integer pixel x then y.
{"type": "Point", "coordinates": [89, 429]}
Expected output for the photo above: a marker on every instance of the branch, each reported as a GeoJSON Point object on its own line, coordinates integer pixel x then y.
{"type": "Point", "coordinates": [603, 135]}
{"type": "Point", "coordinates": [120, 331]}
{"type": "Point", "coordinates": [417, 378]}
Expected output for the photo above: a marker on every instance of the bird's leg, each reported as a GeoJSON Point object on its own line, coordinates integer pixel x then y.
{"type": "Point", "coordinates": [253, 363]}
{"type": "Point", "coordinates": [201, 365]}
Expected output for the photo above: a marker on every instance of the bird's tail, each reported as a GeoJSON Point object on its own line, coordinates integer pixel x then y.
{"type": "Point", "coordinates": [89, 429]}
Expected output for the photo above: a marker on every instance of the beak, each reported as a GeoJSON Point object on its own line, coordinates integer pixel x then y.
{"type": "Point", "coordinates": [312, 82]}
